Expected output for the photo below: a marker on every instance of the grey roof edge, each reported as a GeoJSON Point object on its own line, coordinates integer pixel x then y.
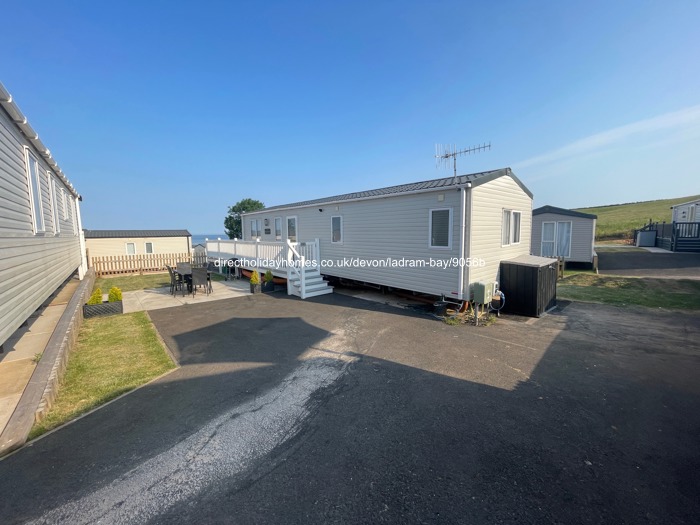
{"type": "Point", "coordinates": [12, 109]}
{"type": "Point", "coordinates": [562, 211]}
{"type": "Point", "coordinates": [121, 234]}
{"type": "Point", "coordinates": [475, 179]}
{"type": "Point", "coordinates": [684, 203]}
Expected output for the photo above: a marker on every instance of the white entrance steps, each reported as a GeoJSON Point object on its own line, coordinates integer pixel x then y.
{"type": "Point", "coordinates": [314, 285]}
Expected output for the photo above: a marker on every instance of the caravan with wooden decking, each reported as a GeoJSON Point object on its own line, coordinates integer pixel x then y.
{"type": "Point", "coordinates": [436, 237]}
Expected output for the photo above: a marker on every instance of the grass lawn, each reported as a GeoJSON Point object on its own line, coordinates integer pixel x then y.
{"type": "Point", "coordinates": [682, 294]}
{"type": "Point", "coordinates": [619, 220]}
{"type": "Point", "coordinates": [130, 283]}
{"type": "Point", "coordinates": [113, 355]}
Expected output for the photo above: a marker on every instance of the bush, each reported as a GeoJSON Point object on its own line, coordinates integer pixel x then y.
{"type": "Point", "coordinates": [115, 294]}
{"type": "Point", "coordinates": [96, 297]}
{"type": "Point", "coordinates": [268, 276]}
{"type": "Point", "coordinates": [255, 277]}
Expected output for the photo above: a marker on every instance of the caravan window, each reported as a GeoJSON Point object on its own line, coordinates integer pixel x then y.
{"type": "Point", "coordinates": [54, 205]}
{"type": "Point", "coordinates": [278, 228]}
{"type": "Point", "coordinates": [441, 228]}
{"type": "Point", "coordinates": [292, 229]}
{"type": "Point", "coordinates": [510, 227]}
{"type": "Point", "coordinates": [35, 192]}
{"type": "Point", "coordinates": [337, 229]}
{"type": "Point", "coordinates": [556, 239]}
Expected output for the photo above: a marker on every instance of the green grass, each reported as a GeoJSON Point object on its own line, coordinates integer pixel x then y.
{"type": "Point", "coordinates": [113, 355]}
{"type": "Point", "coordinates": [682, 294]}
{"type": "Point", "coordinates": [130, 283]}
{"type": "Point", "coordinates": [618, 221]}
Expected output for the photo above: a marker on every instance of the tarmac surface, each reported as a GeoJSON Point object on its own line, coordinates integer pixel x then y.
{"type": "Point", "coordinates": [635, 263]}
{"type": "Point", "coordinates": [341, 410]}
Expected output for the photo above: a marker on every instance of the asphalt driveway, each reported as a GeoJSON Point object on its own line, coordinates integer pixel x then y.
{"type": "Point", "coordinates": [338, 410]}
{"type": "Point", "coordinates": [633, 263]}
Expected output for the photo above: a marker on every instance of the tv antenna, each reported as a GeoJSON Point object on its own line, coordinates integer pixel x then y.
{"type": "Point", "coordinates": [443, 154]}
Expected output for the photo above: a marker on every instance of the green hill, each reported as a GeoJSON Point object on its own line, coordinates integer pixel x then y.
{"type": "Point", "coordinates": [618, 221]}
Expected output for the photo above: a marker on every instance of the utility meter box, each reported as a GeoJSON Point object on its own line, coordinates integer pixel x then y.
{"type": "Point", "coordinates": [483, 293]}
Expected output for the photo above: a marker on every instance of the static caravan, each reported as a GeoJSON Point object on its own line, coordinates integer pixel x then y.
{"type": "Point", "coordinates": [686, 212]}
{"type": "Point", "coordinates": [558, 232]}
{"type": "Point", "coordinates": [40, 241]}
{"type": "Point", "coordinates": [106, 243]}
{"type": "Point", "coordinates": [436, 237]}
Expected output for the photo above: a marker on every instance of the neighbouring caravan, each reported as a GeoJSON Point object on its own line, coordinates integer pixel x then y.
{"type": "Point", "coordinates": [686, 212]}
{"type": "Point", "coordinates": [558, 232]}
{"type": "Point", "coordinates": [40, 241]}
{"type": "Point", "coordinates": [436, 237]}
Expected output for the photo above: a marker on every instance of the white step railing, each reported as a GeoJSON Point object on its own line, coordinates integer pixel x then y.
{"type": "Point", "coordinates": [296, 259]}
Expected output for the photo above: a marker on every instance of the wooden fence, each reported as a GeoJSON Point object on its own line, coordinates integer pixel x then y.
{"type": "Point", "coordinates": [148, 263]}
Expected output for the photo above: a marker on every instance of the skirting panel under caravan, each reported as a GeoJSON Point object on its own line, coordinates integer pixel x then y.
{"type": "Point", "coordinates": [529, 284]}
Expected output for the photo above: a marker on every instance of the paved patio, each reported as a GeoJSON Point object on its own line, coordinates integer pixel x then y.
{"type": "Point", "coordinates": [157, 298]}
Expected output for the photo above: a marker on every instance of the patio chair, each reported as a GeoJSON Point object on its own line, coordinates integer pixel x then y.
{"type": "Point", "coordinates": [199, 278]}
{"type": "Point", "coordinates": [175, 282]}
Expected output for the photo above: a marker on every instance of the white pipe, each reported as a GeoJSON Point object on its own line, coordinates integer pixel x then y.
{"type": "Point", "coordinates": [462, 222]}
{"type": "Point", "coordinates": [468, 254]}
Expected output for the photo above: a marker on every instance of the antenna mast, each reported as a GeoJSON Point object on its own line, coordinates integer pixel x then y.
{"type": "Point", "coordinates": [443, 154]}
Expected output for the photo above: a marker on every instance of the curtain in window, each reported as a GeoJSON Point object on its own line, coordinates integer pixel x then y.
{"type": "Point", "coordinates": [336, 228]}
{"type": "Point", "coordinates": [292, 229]}
{"type": "Point", "coordinates": [516, 226]}
{"type": "Point", "coordinates": [563, 239]}
{"type": "Point", "coordinates": [548, 239]}
{"type": "Point", "coordinates": [505, 231]}
{"type": "Point", "coordinates": [278, 227]}
{"type": "Point", "coordinates": [440, 234]}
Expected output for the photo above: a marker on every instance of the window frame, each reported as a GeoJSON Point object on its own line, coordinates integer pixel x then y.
{"type": "Point", "coordinates": [553, 241]}
{"type": "Point", "coordinates": [450, 220]}
{"type": "Point", "coordinates": [34, 187]}
{"type": "Point", "coordinates": [508, 236]}
{"type": "Point", "coordinates": [513, 230]}
{"type": "Point", "coordinates": [126, 247]}
{"type": "Point", "coordinates": [65, 203]}
{"type": "Point", "coordinates": [54, 203]}
{"type": "Point", "coordinates": [556, 238]}
{"type": "Point", "coordinates": [340, 217]}
{"type": "Point", "coordinates": [278, 236]}
{"type": "Point", "coordinates": [145, 248]}
{"type": "Point", "coordinates": [296, 227]}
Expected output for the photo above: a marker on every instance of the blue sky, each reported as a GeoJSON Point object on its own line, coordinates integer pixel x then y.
{"type": "Point", "coordinates": [162, 114]}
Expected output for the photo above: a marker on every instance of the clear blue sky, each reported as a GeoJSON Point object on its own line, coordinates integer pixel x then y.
{"type": "Point", "coordinates": [162, 114]}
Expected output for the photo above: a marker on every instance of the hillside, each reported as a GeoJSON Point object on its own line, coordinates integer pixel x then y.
{"type": "Point", "coordinates": [618, 221]}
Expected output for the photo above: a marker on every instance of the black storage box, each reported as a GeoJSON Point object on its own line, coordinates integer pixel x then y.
{"type": "Point", "coordinates": [529, 284]}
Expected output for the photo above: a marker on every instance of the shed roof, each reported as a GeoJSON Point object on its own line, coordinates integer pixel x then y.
{"type": "Point", "coordinates": [435, 184]}
{"type": "Point", "coordinates": [120, 234]}
{"type": "Point", "coordinates": [563, 211]}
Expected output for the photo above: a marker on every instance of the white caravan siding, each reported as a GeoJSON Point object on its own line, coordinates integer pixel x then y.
{"type": "Point", "coordinates": [374, 230]}
{"type": "Point", "coordinates": [32, 265]}
{"type": "Point", "coordinates": [582, 235]}
{"type": "Point", "coordinates": [686, 212]}
{"type": "Point", "coordinates": [488, 202]}
{"type": "Point", "coordinates": [103, 247]}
